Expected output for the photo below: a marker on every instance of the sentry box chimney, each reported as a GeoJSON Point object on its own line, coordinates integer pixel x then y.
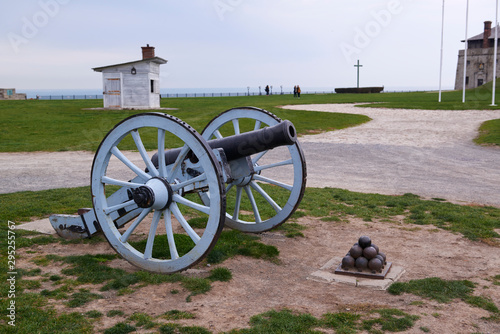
{"type": "Point", "coordinates": [149, 51]}
{"type": "Point", "coordinates": [486, 34]}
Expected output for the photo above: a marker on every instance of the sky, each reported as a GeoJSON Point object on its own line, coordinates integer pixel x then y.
{"type": "Point", "coordinates": [54, 44]}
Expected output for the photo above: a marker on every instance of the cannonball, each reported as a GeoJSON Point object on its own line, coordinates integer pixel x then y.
{"type": "Point", "coordinates": [348, 262]}
{"type": "Point", "coordinates": [381, 259]}
{"type": "Point", "coordinates": [356, 251]}
{"type": "Point", "coordinates": [361, 263]}
{"type": "Point", "coordinates": [364, 241]}
{"type": "Point", "coordinates": [375, 264]}
{"type": "Point", "coordinates": [383, 255]}
{"type": "Point", "coordinates": [376, 247]}
{"type": "Point", "coordinates": [369, 252]}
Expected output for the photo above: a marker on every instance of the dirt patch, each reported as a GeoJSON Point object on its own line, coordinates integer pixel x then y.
{"type": "Point", "coordinates": [259, 286]}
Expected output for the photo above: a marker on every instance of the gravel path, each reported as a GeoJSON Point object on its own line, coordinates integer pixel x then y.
{"type": "Point", "coordinates": [429, 153]}
{"type": "Point", "coordinates": [425, 152]}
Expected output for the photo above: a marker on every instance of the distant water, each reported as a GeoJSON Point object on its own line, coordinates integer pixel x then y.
{"type": "Point", "coordinates": [32, 93]}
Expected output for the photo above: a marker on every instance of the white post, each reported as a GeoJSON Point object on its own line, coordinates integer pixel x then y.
{"type": "Point", "coordinates": [495, 58]}
{"type": "Point", "coordinates": [465, 51]}
{"type": "Point", "coordinates": [441, 61]}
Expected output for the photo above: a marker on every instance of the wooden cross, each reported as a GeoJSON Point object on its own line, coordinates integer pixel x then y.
{"type": "Point", "coordinates": [358, 66]}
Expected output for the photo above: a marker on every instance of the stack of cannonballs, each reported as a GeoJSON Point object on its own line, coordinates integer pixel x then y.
{"type": "Point", "coordinates": [364, 255]}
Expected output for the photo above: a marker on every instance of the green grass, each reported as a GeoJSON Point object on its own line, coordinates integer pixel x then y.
{"type": "Point", "coordinates": [25, 205]}
{"type": "Point", "coordinates": [283, 321]}
{"type": "Point", "coordinates": [142, 320]}
{"type": "Point", "coordinates": [33, 125]}
{"type": "Point", "coordinates": [115, 313]}
{"type": "Point", "coordinates": [444, 291]}
{"type": "Point", "coordinates": [177, 315]}
{"type": "Point", "coordinates": [342, 322]}
{"type": "Point", "coordinates": [292, 230]}
{"type": "Point", "coordinates": [92, 269]}
{"type": "Point", "coordinates": [392, 320]}
{"type": "Point", "coordinates": [489, 133]}
{"type": "Point", "coordinates": [120, 328]}
{"type": "Point", "coordinates": [64, 126]}
{"type": "Point", "coordinates": [232, 243]}
{"type": "Point", "coordinates": [220, 274]}
{"type": "Point", "coordinates": [82, 297]}
{"type": "Point", "coordinates": [94, 314]}
{"type": "Point", "coordinates": [474, 222]}
{"type": "Point", "coordinates": [287, 321]}
{"type": "Point", "coordinates": [33, 315]}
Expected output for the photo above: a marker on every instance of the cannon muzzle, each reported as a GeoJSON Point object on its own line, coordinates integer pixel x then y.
{"type": "Point", "coordinates": [245, 144]}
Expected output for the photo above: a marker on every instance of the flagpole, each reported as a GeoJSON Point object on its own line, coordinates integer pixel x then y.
{"type": "Point", "coordinates": [495, 58]}
{"type": "Point", "coordinates": [465, 51]}
{"type": "Point", "coordinates": [441, 61]}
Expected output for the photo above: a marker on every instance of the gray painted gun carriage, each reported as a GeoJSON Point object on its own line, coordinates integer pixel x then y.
{"type": "Point", "coordinates": [245, 170]}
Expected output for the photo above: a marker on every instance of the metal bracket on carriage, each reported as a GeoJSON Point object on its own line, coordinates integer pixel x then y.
{"type": "Point", "coordinates": [85, 225]}
{"type": "Point", "coordinates": [75, 226]}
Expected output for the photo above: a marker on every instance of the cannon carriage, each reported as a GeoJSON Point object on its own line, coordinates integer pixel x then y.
{"type": "Point", "coordinates": [165, 212]}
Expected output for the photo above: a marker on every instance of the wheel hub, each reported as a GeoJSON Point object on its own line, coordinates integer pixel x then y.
{"type": "Point", "coordinates": [156, 193]}
{"type": "Point", "coordinates": [143, 197]}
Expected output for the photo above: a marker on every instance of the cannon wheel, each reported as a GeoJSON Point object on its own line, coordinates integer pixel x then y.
{"type": "Point", "coordinates": [284, 171]}
{"type": "Point", "coordinates": [159, 245]}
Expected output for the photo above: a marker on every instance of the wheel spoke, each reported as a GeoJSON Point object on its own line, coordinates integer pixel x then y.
{"type": "Point", "coordinates": [258, 156]}
{"type": "Point", "coordinates": [177, 163]}
{"type": "Point", "coordinates": [144, 154]}
{"type": "Point", "coordinates": [236, 125]}
{"type": "Point", "coordinates": [237, 204]}
{"type": "Point", "coordinates": [162, 168]}
{"type": "Point", "coordinates": [117, 153]}
{"type": "Point", "coordinates": [257, 125]}
{"type": "Point", "coordinates": [271, 181]}
{"type": "Point", "coordinates": [148, 252]}
{"type": "Point", "coordinates": [199, 178]}
{"type": "Point", "coordinates": [182, 200]}
{"type": "Point", "coordinates": [277, 164]}
{"type": "Point", "coordinates": [127, 184]}
{"type": "Point", "coordinates": [217, 134]}
{"type": "Point", "coordinates": [136, 222]}
{"type": "Point", "coordinates": [266, 196]}
{"type": "Point", "coordinates": [117, 207]}
{"type": "Point", "coordinates": [185, 225]}
{"type": "Point", "coordinates": [254, 204]}
{"type": "Point", "coordinates": [170, 235]}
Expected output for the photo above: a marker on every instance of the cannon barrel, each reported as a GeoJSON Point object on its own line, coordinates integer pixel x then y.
{"type": "Point", "coordinates": [245, 144]}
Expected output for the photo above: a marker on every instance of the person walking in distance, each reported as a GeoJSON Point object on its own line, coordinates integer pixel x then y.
{"type": "Point", "coordinates": [267, 90]}
{"type": "Point", "coordinates": [298, 91]}
{"type": "Point", "coordinates": [294, 91]}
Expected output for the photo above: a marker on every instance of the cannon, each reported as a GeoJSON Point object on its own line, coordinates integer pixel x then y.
{"type": "Point", "coordinates": [163, 212]}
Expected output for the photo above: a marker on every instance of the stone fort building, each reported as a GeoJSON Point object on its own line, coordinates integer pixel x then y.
{"type": "Point", "coordinates": [480, 57]}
